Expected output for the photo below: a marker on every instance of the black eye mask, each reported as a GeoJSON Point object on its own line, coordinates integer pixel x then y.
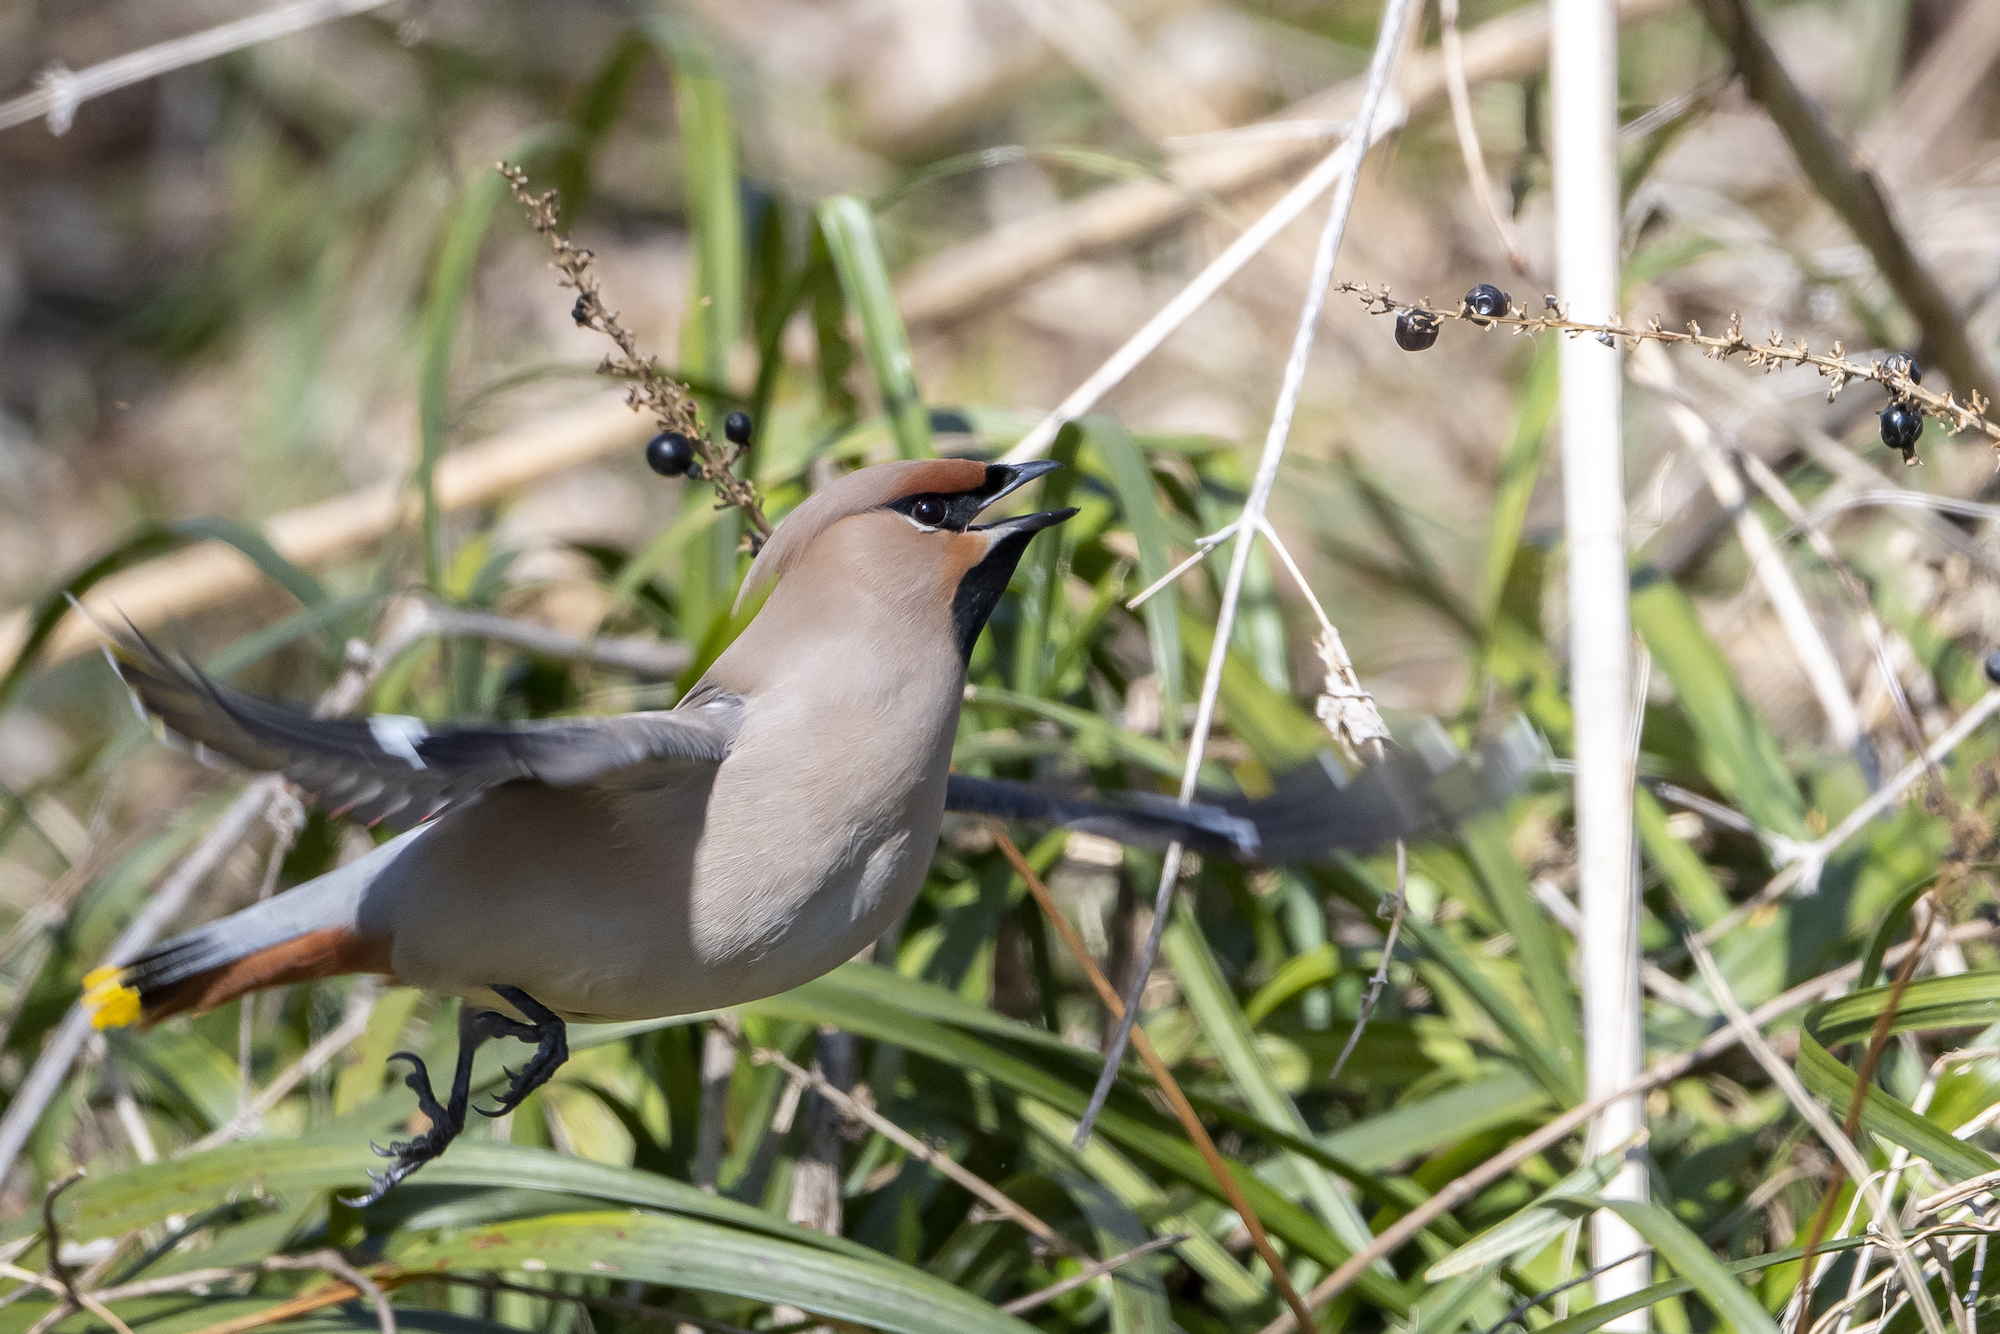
{"type": "Point", "coordinates": [932, 510]}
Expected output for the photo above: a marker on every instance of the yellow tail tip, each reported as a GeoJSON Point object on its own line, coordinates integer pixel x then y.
{"type": "Point", "coordinates": [107, 1000]}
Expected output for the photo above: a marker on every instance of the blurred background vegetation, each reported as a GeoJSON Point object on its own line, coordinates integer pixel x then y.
{"type": "Point", "coordinates": [273, 280]}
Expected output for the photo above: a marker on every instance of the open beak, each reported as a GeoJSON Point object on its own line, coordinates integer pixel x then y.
{"type": "Point", "coordinates": [1006, 478]}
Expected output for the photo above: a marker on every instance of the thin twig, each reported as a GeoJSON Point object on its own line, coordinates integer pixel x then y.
{"type": "Point", "coordinates": [1398, 904]}
{"type": "Point", "coordinates": [638, 654]}
{"type": "Point", "coordinates": [52, 1236]}
{"type": "Point", "coordinates": [1781, 495]}
{"type": "Point", "coordinates": [858, 1110]}
{"type": "Point", "coordinates": [1096, 1270]}
{"type": "Point", "coordinates": [650, 387]}
{"type": "Point", "coordinates": [62, 91]}
{"type": "Point", "coordinates": [1381, 69]}
{"type": "Point", "coordinates": [1183, 1111]}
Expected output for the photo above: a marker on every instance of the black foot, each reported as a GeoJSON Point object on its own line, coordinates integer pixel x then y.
{"type": "Point", "coordinates": [550, 1036]}
{"type": "Point", "coordinates": [446, 1121]}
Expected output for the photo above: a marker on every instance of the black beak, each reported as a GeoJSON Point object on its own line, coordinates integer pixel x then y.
{"type": "Point", "coordinates": [1005, 478]}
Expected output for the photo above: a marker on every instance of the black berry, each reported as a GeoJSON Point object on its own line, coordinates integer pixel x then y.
{"type": "Point", "coordinates": [1902, 363]}
{"type": "Point", "coordinates": [579, 311]}
{"type": "Point", "coordinates": [736, 427]}
{"type": "Point", "coordinates": [1993, 668]}
{"type": "Point", "coordinates": [670, 454]}
{"type": "Point", "coordinates": [1416, 330]}
{"type": "Point", "coordinates": [1901, 425]}
{"type": "Point", "coordinates": [1486, 299]}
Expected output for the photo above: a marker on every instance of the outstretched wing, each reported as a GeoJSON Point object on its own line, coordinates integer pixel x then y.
{"type": "Point", "coordinates": [400, 771]}
{"type": "Point", "coordinates": [1311, 814]}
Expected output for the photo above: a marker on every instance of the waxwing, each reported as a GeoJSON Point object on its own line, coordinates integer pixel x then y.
{"type": "Point", "coordinates": [774, 823]}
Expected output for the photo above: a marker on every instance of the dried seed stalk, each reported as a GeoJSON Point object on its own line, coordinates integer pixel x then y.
{"type": "Point", "coordinates": [1890, 373]}
{"type": "Point", "coordinates": [650, 388]}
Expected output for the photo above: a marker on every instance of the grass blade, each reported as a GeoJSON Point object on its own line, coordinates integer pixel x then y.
{"type": "Point", "coordinates": [849, 229]}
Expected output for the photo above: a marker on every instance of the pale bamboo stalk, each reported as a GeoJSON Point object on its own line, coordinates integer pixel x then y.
{"type": "Point", "coordinates": [1583, 79]}
{"type": "Point", "coordinates": [852, 1106]}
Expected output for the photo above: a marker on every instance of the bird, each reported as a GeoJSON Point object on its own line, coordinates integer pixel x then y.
{"type": "Point", "coordinates": [776, 821]}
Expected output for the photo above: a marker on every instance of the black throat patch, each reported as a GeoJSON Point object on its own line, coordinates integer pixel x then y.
{"type": "Point", "coordinates": [979, 591]}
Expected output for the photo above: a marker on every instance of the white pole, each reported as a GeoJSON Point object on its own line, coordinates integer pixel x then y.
{"type": "Point", "coordinates": [1583, 76]}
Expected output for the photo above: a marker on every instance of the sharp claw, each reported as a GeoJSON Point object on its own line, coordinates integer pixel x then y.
{"type": "Point", "coordinates": [393, 1151]}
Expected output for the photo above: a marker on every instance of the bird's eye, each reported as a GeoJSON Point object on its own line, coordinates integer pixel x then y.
{"type": "Point", "coordinates": [929, 511]}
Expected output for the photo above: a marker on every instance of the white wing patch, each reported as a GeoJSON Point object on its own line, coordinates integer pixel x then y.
{"type": "Point", "coordinates": [398, 734]}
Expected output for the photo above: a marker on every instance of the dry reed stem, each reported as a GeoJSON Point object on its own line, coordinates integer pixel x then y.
{"type": "Point", "coordinates": [1163, 1077]}
{"type": "Point", "coordinates": [1771, 354]}
{"type": "Point", "coordinates": [650, 388]}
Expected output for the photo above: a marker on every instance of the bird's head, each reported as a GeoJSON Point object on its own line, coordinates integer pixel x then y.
{"type": "Point", "coordinates": [911, 530]}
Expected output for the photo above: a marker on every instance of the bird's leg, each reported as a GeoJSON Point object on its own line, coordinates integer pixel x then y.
{"type": "Point", "coordinates": [550, 1036]}
{"type": "Point", "coordinates": [446, 1118]}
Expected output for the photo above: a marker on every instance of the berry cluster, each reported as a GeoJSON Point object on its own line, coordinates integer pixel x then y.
{"type": "Point", "coordinates": [672, 454]}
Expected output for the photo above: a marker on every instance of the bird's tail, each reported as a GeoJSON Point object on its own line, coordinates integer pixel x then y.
{"type": "Point", "coordinates": [309, 932]}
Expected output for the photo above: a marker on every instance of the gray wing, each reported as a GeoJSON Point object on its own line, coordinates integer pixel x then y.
{"type": "Point", "coordinates": [400, 771]}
